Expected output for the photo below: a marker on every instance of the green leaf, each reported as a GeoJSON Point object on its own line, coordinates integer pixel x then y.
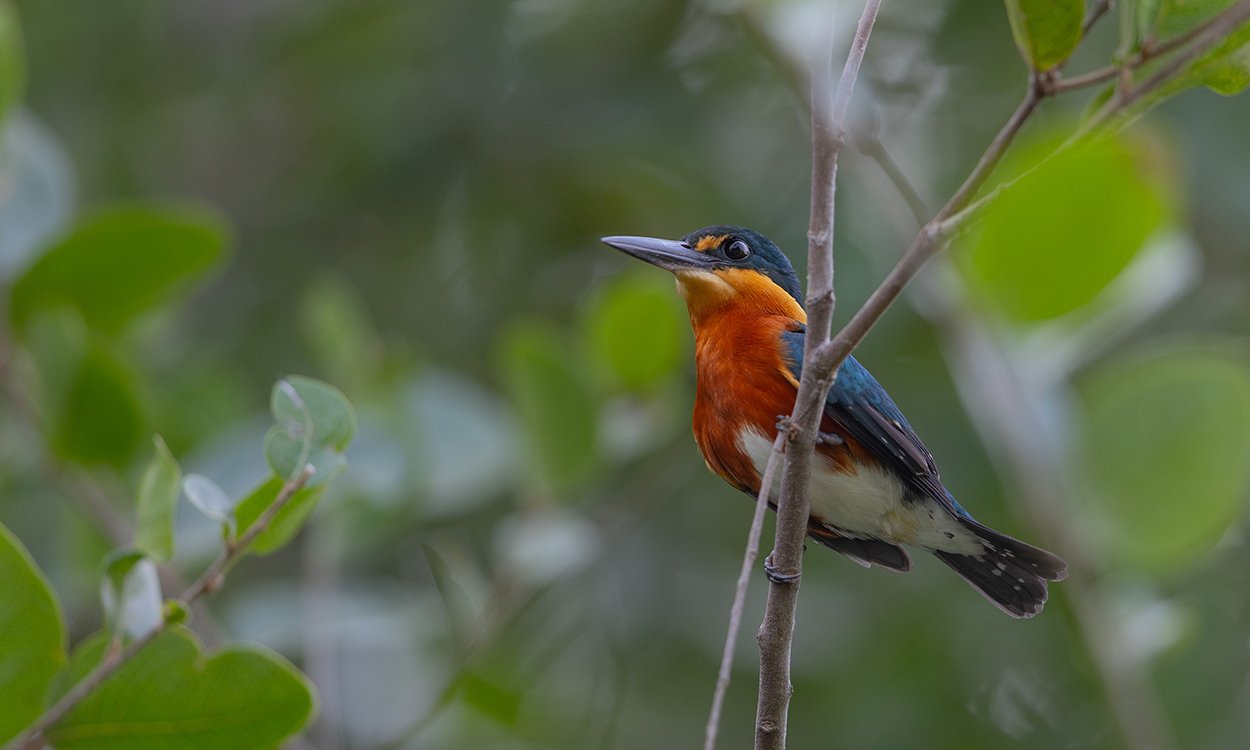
{"type": "Point", "coordinates": [288, 520]}
{"type": "Point", "coordinates": [298, 400]}
{"type": "Point", "coordinates": [158, 499]}
{"type": "Point", "coordinates": [288, 455]}
{"type": "Point", "coordinates": [131, 594]}
{"type": "Point", "coordinates": [315, 423]}
{"type": "Point", "coordinates": [102, 419]}
{"type": "Point", "coordinates": [637, 331]}
{"type": "Point", "coordinates": [1166, 434]}
{"type": "Point", "coordinates": [553, 400]}
{"type": "Point", "coordinates": [210, 500]}
{"type": "Point", "coordinates": [1173, 17]}
{"type": "Point", "coordinates": [1050, 243]}
{"type": "Point", "coordinates": [1046, 31]}
{"type": "Point", "coordinates": [1225, 68]}
{"type": "Point", "coordinates": [12, 59]}
{"type": "Point", "coordinates": [170, 697]}
{"type": "Point", "coordinates": [32, 638]}
{"type": "Point", "coordinates": [503, 704]}
{"type": "Point", "coordinates": [1148, 12]}
{"type": "Point", "coordinates": [90, 403]}
{"type": "Point", "coordinates": [120, 264]}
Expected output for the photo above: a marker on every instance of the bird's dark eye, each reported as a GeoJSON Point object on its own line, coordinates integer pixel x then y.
{"type": "Point", "coordinates": [737, 250]}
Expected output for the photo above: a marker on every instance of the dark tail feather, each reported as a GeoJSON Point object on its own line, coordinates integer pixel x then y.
{"type": "Point", "coordinates": [866, 552]}
{"type": "Point", "coordinates": [1010, 573]}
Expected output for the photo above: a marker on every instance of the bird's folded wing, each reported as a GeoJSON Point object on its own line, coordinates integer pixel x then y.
{"type": "Point", "coordinates": [861, 408]}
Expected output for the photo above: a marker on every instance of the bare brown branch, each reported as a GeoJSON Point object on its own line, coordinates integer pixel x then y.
{"type": "Point", "coordinates": [740, 594]}
{"type": "Point", "coordinates": [777, 630]}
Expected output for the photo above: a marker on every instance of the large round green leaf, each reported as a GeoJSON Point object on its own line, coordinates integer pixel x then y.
{"type": "Point", "coordinates": [1166, 446]}
{"type": "Point", "coordinates": [1050, 243]}
{"type": "Point", "coordinates": [120, 264]}
{"type": "Point", "coordinates": [32, 638]}
{"type": "Point", "coordinates": [636, 331]}
{"type": "Point", "coordinates": [170, 697]}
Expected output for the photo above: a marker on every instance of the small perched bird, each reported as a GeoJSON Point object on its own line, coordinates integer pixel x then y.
{"type": "Point", "coordinates": [874, 486]}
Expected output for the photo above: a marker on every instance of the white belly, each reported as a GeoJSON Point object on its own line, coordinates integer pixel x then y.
{"type": "Point", "coordinates": [869, 503]}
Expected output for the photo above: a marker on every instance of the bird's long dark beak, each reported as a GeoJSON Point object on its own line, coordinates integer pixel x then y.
{"type": "Point", "coordinates": [670, 255]}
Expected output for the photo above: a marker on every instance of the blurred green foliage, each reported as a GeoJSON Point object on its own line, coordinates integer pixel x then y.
{"type": "Point", "coordinates": [527, 551]}
{"type": "Point", "coordinates": [1045, 31]}
{"type": "Point", "coordinates": [171, 696]}
{"type": "Point", "coordinates": [30, 617]}
{"type": "Point", "coordinates": [1174, 477]}
{"type": "Point", "coordinates": [1112, 194]}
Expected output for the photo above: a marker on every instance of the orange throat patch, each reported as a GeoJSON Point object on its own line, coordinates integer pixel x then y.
{"type": "Point", "coordinates": [744, 380]}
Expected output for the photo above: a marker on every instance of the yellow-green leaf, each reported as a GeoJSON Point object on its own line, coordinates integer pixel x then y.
{"type": "Point", "coordinates": [32, 637]}
{"type": "Point", "coordinates": [173, 697]}
{"type": "Point", "coordinates": [1046, 31]}
{"type": "Point", "coordinates": [1165, 441]}
{"type": "Point", "coordinates": [159, 489]}
{"type": "Point", "coordinates": [1051, 242]}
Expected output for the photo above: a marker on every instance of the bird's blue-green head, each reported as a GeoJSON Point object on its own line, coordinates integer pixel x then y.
{"type": "Point", "coordinates": [720, 264]}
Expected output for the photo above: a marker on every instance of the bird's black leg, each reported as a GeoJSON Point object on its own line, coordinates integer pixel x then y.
{"type": "Point", "coordinates": [776, 576]}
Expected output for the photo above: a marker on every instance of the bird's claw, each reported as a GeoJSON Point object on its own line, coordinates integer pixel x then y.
{"type": "Point", "coordinates": [775, 575]}
{"type": "Point", "coordinates": [829, 438]}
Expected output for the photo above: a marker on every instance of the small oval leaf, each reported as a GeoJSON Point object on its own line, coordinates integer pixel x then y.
{"type": "Point", "coordinates": [1046, 31]}
{"type": "Point", "coordinates": [210, 500]}
{"type": "Point", "coordinates": [158, 499]}
{"type": "Point", "coordinates": [131, 594]}
{"type": "Point", "coordinates": [287, 521]}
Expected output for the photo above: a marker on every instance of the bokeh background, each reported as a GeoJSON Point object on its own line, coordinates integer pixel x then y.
{"type": "Point", "coordinates": [527, 550]}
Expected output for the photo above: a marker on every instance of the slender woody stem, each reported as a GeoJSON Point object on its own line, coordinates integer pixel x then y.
{"type": "Point", "coordinates": [777, 630]}
{"type": "Point", "coordinates": [35, 736]}
{"type": "Point", "coordinates": [822, 356]}
{"type": "Point", "coordinates": [740, 593]}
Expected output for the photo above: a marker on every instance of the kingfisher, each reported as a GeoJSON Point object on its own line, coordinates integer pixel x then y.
{"type": "Point", "coordinates": [874, 487]}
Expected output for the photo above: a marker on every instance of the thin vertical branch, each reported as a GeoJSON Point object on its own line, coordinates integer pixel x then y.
{"type": "Point", "coordinates": [785, 563]}
{"type": "Point", "coordinates": [822, 355]}
{"type": "Point", "coordinates": [740, 593]}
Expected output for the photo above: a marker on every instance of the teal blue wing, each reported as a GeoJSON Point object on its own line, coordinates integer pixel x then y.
{"type": "Point", "coordinates": [864, 412]}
